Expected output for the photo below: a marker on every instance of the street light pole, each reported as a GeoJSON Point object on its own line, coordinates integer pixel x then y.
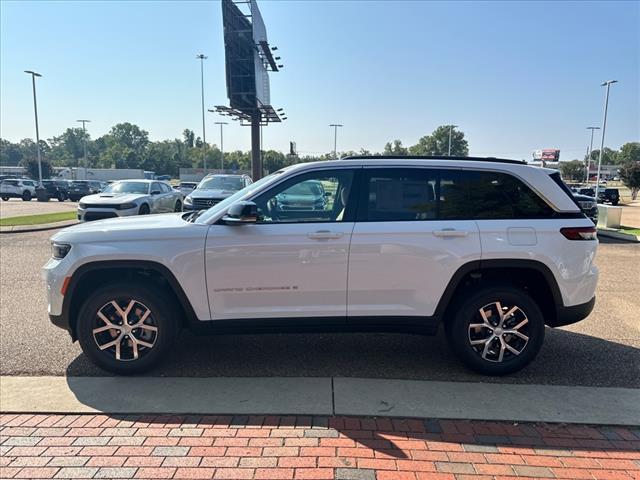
{"type": "Point", "coordinates": [35, 109]}
{"type": "Point", "coordinates": [202, 58]}
{"type": "Point", "coordinates": [451, 127]}
{"type": "Point", "coordinates": [589, 150]}
{"type": "Point", "coordinates": [84, 138]}
{"type": "Point", "coordinates": [221, 145]}
{"type": "Point", "coordinates": [604, 127]}
{"type": "Point", "coordinates": [335, 138]}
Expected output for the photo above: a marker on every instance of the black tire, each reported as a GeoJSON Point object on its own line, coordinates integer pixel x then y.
{"type": "Point", "coordinates": [26, 196]}
{"type": "Point", "coordinates": [615, 202]}
{"type": "Point", "coordinates": [60, 197]}
{"type": "Point", "coordinates": [460, 334]}
{"type": "Point", "coordinates": [178, 207]}
{"type": "Point", "coordinates": [5, 198]}
{"type": "Point", "coordinates": [164, 315]}
{"type": "Point", "coordinates": [144, 209]}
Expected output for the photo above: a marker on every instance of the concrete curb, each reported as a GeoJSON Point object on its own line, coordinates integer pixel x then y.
{"type": "Point", "coordinates": [37, 228]}
{"type": "Point", "coordinates": [320, 396]}
{"type": "Point", "coordinates": [618, 235]}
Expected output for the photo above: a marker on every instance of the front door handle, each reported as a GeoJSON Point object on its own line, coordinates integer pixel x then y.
{"type": "Point", "coordinates": [324, 235]}
{"type": "Point", "coordinates": [450, 232]}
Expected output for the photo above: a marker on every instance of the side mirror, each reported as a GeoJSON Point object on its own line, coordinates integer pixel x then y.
{"type": "Point", "coordinates": [240, 213]}
{"type": "Point", "coordinates": [155, 192]}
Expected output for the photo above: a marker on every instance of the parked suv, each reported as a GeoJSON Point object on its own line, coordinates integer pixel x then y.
{"type": "Point", "coordinates": [609, 195]}
{"type": "Point", "coordinates": [54, 190]}
{"type": "Point", "coordinates": [213, 189]}
{"type": "Point", "coordinates": [17, 188]}
{"type": "Point", "coordinates": [81, 188]}
{"type": "Point", "coordinates": [493, 250]}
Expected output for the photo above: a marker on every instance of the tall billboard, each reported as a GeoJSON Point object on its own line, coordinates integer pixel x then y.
{"type": "Point", "coordinates": [247, 75]}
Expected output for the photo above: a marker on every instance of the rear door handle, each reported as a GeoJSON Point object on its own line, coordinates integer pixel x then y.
{"type": "Point", "coordinates": [450, 232]}
{"type": "Point", "coordinates": [324, 235]}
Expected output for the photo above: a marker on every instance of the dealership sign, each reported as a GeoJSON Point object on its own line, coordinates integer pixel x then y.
{"type": "Point", "coordinates": [547, 154]}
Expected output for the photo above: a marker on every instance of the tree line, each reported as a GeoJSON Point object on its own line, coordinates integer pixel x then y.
{"type": "Point", "coordinates": [128, 146]}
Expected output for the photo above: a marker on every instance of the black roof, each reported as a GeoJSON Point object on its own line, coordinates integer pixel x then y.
{"type": "Point", "coordinates": [432, 157]}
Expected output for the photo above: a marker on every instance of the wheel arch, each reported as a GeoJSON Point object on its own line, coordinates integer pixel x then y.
{"type": "Point", "coordinates": [94, 274]}
{"type": "Point", "coordinates": [531, 275]}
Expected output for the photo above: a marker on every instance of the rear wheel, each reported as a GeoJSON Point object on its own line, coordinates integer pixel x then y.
{"type": "Point", "coordinates": [496, 331]}
{"type": "Point", "coordinates": [5, 198]}
{"type": "Point", "coordinates": [26, 196]}
{"type": "Point", "coordinates": [144, 209]}
{"type": "Point", "coordinates": [60, 197]}
{"type": "Point", "coordinates": [127, 328]}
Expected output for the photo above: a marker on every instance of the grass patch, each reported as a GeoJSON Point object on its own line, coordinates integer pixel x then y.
{"type": "Point", "coordinates": [38, 219]}
{"type": "Point", "coordinates": [631, 230]}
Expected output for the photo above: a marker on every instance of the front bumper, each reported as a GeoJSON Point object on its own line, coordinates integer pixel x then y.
{"type": "Point", "coordinates": [89, 214]}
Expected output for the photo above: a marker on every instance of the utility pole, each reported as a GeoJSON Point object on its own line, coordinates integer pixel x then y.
{"type": "Point", "coordinates": [84, 138]}
{"type": "Point", "coordinates": [451, 127]}
{"type": "Point", "coordinates": [335, 138]}
{"type": "Point", "coordinates": [202, 58]}
{"type": "Point", "coordinates": [35, 109]}
{"type": "Point", "coordinates": [589, 150]}
{"type": "Point", "coordinates": [221, 145]}
{"type": "Point", "coordinates": [604, 127]}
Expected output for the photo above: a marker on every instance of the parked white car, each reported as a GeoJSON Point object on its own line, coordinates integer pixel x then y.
{"type": "Point", "coordinates": [17, 188]}
{"type": "Point", "coordinates": [130, 197]}
{"type": "Point", "coordinates": [492, 250]}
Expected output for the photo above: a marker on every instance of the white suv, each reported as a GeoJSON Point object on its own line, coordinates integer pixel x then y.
{"type": "Point", "coordinates": [492, 249]}
{"type": "Point", "coordinates": [17, 188]}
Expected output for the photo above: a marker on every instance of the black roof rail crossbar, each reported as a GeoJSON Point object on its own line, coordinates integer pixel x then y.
{"type": "Point", "coordinates": [432, 157]}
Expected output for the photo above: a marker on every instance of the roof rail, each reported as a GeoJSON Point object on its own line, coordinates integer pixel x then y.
{"type": "Point", "coordinates": [432, 157]}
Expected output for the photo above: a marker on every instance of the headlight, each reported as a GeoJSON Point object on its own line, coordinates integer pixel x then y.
{"type": "Point", "coordinates": [126, 206]}
{"type": "Point", "coordinates": [188, 200]}
{"type": "Point", "coordinates": [59, 250]}
{"type": "Point", "coordinates": [587, 205]}
{"type": "Point", "coordinates": [82, 205]}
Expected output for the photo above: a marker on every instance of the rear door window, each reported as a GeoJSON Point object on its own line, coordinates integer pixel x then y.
{"type": "Point", "coordinates": [408, 194]}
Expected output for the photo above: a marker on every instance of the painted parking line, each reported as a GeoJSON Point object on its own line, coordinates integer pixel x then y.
{"type": "Point", "coordinates": [321, 396]}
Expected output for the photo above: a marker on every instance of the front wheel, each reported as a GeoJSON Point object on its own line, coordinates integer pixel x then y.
{"type": "Point", "coordinates": [127, 328]}
{"type": "Point", "coordinates": [26, 196]}
{"type": "Point", "coordinates": [144, 209]}
{"type": "Point", "coordinates": [496, 331]}
{"type": "Point", "coordinates": [5, 198]}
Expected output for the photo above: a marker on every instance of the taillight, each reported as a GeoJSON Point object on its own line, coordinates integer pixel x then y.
{"type": "Point", "coordinates": [579, 233]}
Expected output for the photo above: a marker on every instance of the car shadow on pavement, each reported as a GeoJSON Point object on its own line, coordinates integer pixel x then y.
{"type": "Point", "coordinates": [567, 358]}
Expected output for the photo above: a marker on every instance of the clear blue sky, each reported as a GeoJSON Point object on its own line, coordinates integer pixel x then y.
{"type": "Point", "coordinates": [516, 76]}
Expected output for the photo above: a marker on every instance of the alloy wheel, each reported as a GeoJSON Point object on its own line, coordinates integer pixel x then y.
{"type": "Point", "coordinates": [498, 332]}
{"type": "Point", "coordinates": [127, 333]}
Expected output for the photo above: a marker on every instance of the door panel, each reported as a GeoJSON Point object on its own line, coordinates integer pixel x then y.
{"type": "Point", "coordinates": [403, 268]}
{"type": "Point", "coordinates": [411, 236]}
{"type": "Point", "coordinates": [277, 270]}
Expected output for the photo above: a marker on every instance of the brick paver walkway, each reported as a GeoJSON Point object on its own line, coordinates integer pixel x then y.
{"type": "Point", "coordinates": [154, 447]}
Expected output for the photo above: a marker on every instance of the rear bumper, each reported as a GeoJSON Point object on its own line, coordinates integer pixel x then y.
{"type": "Point", "coordinates": [572, 314]}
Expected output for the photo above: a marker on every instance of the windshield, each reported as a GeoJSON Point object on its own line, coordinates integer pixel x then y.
{"type": "Point", "coordinates": [221, 183]}
{"type": "Point", "coordinates": [128, 187]}
{"type": "Point", "coordinates": [245, 192]}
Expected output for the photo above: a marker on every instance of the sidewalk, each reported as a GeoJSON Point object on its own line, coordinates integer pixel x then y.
{"type": "Point", "coordinates": [296, 447]}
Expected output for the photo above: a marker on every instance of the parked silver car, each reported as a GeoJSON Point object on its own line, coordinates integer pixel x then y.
{"type": "Point", "coordinates": [130, 197]}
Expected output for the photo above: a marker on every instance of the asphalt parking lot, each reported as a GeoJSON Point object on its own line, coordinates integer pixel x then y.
{"type": "Point", "coordinates": [603, 350]}
{"type": "Point", "coordinates": [15, 207]}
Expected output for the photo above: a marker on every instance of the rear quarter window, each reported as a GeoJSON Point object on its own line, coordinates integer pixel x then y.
{"type": "Point", "coordinates": [496, 195]}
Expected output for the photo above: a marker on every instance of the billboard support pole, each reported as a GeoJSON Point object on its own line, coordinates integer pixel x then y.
{"type": "Point", "coordinates": [256, 158]}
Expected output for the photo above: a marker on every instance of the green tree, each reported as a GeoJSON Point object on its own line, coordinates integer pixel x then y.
{"type": "Point", "coordinates": [438, 143]}
{"type": "Point", "coordinates": [31, 165]}
{"type": "Point", "coordinates": [10, 153]}
{"type": "Point", "coordinates": [630, 175]}
{"type": "Point", "coordinates": [68, 148]}
{"type": "Point", "coordinates": [573, 170]}
{"type": "Point", "coordinates": [188, 137]}
{"type": "Point", "coordinates": [609, 156]}
{"type": "Point", "coordinates": [126, 147]}
{"type": "Point", "coordinates": [629, 152]}
{"type": "Point", "coordinates": [395, 148]}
